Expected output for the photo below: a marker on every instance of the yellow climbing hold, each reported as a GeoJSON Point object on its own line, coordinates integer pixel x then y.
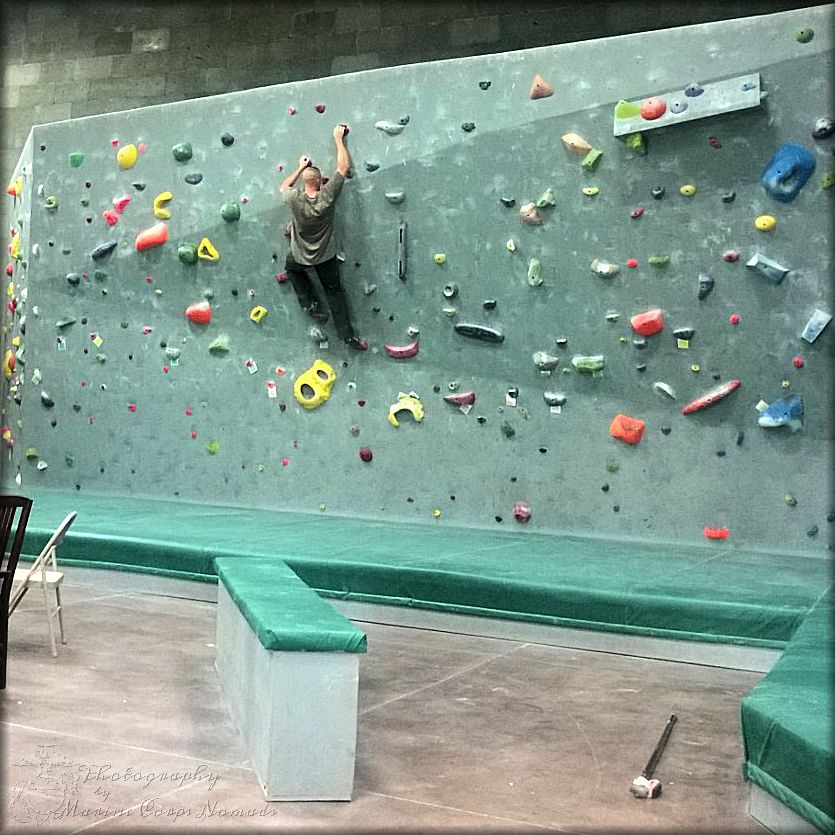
{"type": "Point", "coordinates": [688, 190]}
{"type": "Point", "coordinates": [159, 211]}
{"type": "Point", "coordinates": [8, 364]}
{"type": "Point", "coordinates": [590, 191]}
{"type": "Point", "coordinates": [258, 313]}
{"type": "Point", "coordinates": [695, 368]}
{"type": "Point", "coordinates": [14, 248]}
{"type": "Point", "coordinates": [313, 387]}
{"type": "Point", "coordinates": [127, 156]}
{"type": "Point", "coordinates": [206, 251]}
{"type": "Point", "coordinates": [436, 512]}
{"type": "Point", "coordinates": [765, 223]}
{"type": "Point", "coordinates": [15, 187]}
{"type": "Point", "coordinates": [511, 245]}
{"type": "Point", "coordinates": [440, 258]}
{"type": "Point", "coordinates": [785, 384]}
{"type": "Point", "coordinates": [407, 403]}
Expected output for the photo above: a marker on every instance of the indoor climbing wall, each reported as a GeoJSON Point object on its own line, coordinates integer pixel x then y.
{"type": "Point", "coordinates": [594, 279]}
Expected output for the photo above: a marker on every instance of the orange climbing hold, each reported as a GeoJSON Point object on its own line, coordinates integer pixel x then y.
{"type": "Point", "coordinates": [648, 322]}
{"type": "Point", "coordinates": [540, 88]}
{"type": "Point", "coordinates": [156, 235]}
{"type": "Point", "coordinates": [716, 533]}
{"type": "Point", "coordinates": [627, 428]}
{"type": "Point", "coordinates": [200, 313]}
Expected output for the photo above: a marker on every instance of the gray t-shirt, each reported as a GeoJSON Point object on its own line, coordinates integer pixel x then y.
{"type": "Point", "coordinates": [312, 240]}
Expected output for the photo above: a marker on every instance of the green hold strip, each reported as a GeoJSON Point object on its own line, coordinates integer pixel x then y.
{"type": "Point", "coordinates": [828, 179]}
{"type": "Point", "coordinates": [230, 211]}
{"type": "Point", "coordinates": [182, 151]}
{"type": "Point", "coordinates": [220, 345]}
{"type": "Point", "coordinates": [591, 159]}
{"type": "Point", "coordinates": [76, 159]}
{"type": "Point", "coordinates": [635, 142]}
{"type": "Point", "coordinates": [32, 453]}
{"type": "Point", "coordinates": [547, 198]}
{"type": "Point", "coordinates": [187, 253]}
{"type": "Point", "coordinates": [536, 273]}
{"type": "Point", "coordinates": [659, 260]}
{"type": "Point", "coordinates": [212, 447]}
{"type": "Point", "coordinates": [627, 109]}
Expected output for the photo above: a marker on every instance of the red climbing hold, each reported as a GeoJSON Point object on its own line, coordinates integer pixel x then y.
{"type": "Point", "coordinates": [188, 412]}
{"type": "Point", "coordinates": [637, 212]}
{"type": "Point", "coordinates": [730, 255]}
{"type": "Point", "coordinates": [627, 428]}
{"type": "Point", "coordinates": [648, 322]}
{"type": "Point", "coordinates": [366, 454]}
{"type": "Point", "coordinates": [319, 108]}
{"type": "Point", "coordinates": [111, 216]}
{"type": "Point", "coordinates": [798, 362]}
{"type": "Point", "coordinates": [716, 533]}
{"type": "Point", "coordinates": [653, 109]}
{"type": "Point", "coordinates": [285, 462]}
{"type": "Point", "coordinates": [156, 235]}
{"type": "Point", "coordinates": [200, 313]}
{"type": "Point", "coordinates": [734, 318]}
{"type": "Point", "coordinates": [281, 278]}
{"type": "Point", "coordinates": [632, 262]}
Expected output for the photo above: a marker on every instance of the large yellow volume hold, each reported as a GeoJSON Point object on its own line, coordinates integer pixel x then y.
{"type": "Point", "coordinates": [313, 387]}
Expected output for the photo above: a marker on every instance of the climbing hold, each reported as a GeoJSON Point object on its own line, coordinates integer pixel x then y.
{"type": "Point", "coordinates": [788, 171]}
{"type": "Point", "coordinates": [468, 127]}
{"type": "Point", "coordinates": [729, 197]}
{"type": "Point", "coordinates": [464, 398]}
{"type": "Point", "coordinates": [635, 142]}
{"type": "Point", "coordinates": [521, 512]}
{"type": "Point", "coordinates": [8, 364]}
{"type": "Point", "coordinates": [528, 213]}
{"type": "Point", "coordinates": [206, 251]}
{"type": "Point", "coordinates": [51, 203]}
{"type": "Point", "coordinates": [627, 109]}
{"type": "Point", "coordinates": [46, 400]}
{"type": "Point", "coordinates": [403, 352]}
{"type": "Point", "coordinates": [688, 190]}
{"type": "Point", "coordinates": [684, 333]}
{"type": "Point", "coordinates": [536, 272]}
{"type": "Point", "coordinates": [804, 35]}
{"type": "Point", "coordinates": [366, 454]}
{"type": "Point", "coordinates": [480, 332]}
{"type": "Point", "coordinates": [653, 108]}
{"type": "Point", "coordinates": [110, 216]}
{"type": "Point", "coordinates": [440, 258]}
{"type": "Point", "coordinates": [711, 397]}
{"type": "Point", "coordinates": [187, 253]}
{"type": "Point", "coordinates": [678, 106]}
{"type": "Point", "coordinates": [127, 156]}
{"type": "Point", "coordinates": [219, 345]}
{"type": "Point", "coordinates": [230, 211]}
{"type": "Point", "coordinates": [714, 142]}
{"type": "Point", "coordinates": [636, 212]}
{"type": "Point", "coordinates": [695, 368]}
{"type": "Point", "coordinates": [575, 143]}
{"type": "Point", "coordinates": [200, 313]}
{"type": "Point", "coordinates": [544, 361]}
{"type": "Point", "coordinates": [828, 179]}
{"type": "Point", "coordinates": [159, 211]}
{"type": "Point", "coordinates": [627, 428]}
{"type": "Point", "coordinates": [824, 128]}
{"type": "Point", "coordinates": [510, 202]}
{"type": "Point", "coordinates": [765, 223]}
{"type": "Point", "coordinates": [182, 151]}
{"type": "Point", "coordinates": [121, 203]}
{"type": "Point", "coordinates": [258, 314]}
{"type": "Point", "coordinates": [588, 364]}
{"type": "Point", "coordinates": [765, 266]}
{"type": "Point", "coordinates": [658, 192]}
{"type": "Point", "coordinates": [212, 447]}
{"type": "Point", "coordinates": [659, 260]}
{"type": "Point", "coordinates": [391, 128]}
{"type": "Point", "coordinates": [227, 139]}
{"type": "Point", "coordinates": [395, 196]}
{"type": "Point", "coordinates": [313, 386]}
{"type": "Point", "coordinates": [604, 268]}
{"type": "Point", "coordinates": [590, 191]}
{"type": "Point", "coordinates": [554, 398]}
{"type": "Point", "coordinates": [193, 179]}
{"type": "Point", "coordinates": [664, 389]}
{"type": "Point", "coordinates": [450, 290]}
{"type": "Point", "coordinates": [156, 235]}
{"type": "Point", "coordinates": [540, 88]}
{"type": "Point", "coordinates": [75, 159]}
{"type": "Point", "coordinates": [102, 250]}
{"type": "Point", "coordinates": [591, 159]}
{"type": "Point", "coordinates": [693, 89]}
{"type": "Point", "coordinates": [716, 533]}
{"type": "Point", "coordinates": [406, 403]}
{"type": "Point", "coordinates": [730, 255]}
{"type": "Point", "coordinates": [817, 322]}
{"type": "Point", "coordinates": [507, 430]}
{"type": "Point", "coordinates": [484, 85]}
{"type": "Point", "coordinates": [371, 166]}
{"type": "Point", "coordinates": [632, 263]}
{"type": "Point", "coordinates": [649, 322]}
{"type": "Point", "coordinates": [706, 285]}
{"type": "Point", "coordinates": [787, 411]}
{"type": "Point", "coordinates": [317, 335]}
{"type": "Point", "coordinates": [546, 199]}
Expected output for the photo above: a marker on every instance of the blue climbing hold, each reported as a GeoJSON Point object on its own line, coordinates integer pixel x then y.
{"type": "Point", "coordinates": [787, 172]}
{"type": "Point", "coordinates": [678, 106]}
{"type": "Point", "coordinates": [787, 411]}
{"type": "Point", "coordinates": [693, 89]}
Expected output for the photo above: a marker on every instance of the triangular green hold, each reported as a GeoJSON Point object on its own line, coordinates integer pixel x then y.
{"type": "Point", "coordinates": [627, 109]}
{"type": "Point", "coordinates": [546, 199]}
{"type": "Point", "coordinates": [220, 345]}
{"type": "Point", "coordinates": [76, 159]}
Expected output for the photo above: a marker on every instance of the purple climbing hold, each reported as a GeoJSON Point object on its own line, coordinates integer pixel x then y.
{"type": "Point", "coordinates": [319, 108]}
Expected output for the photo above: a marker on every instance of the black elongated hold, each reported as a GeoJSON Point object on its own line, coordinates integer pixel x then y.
{"type": "Point", "coordinates": [467, 127]}
{"type": "Point", "coordinates": [371, 166]}
{"type": "Point", "coordinates": [683, 333]}
{"type": "Point", "coordinates": [139, 186]}
{"type": "Point", "coordinates": [510, 202]}
{"type": "Point", "coordinates": [47, 400]}
{"type": "Point", "coordinates": [489, 304]}
{"type": "Point", "coordinates": [103, 250]}
{"type": "Point", "coordinates": [74, 279]}
{"type": "Point", "coordinates": [706, 284]}
{"type": "Point", "coordinates": [729, 197]}
{"type": "Point", "coordinates": [658, 192]}
{"type": "Point", "coordinates": [193, 179]}
{"type": "Point", "coordinates": [481, 332]}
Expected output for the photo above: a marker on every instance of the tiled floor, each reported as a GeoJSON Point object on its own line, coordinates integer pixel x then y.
{"type": "Point", "coordinates": [127, 729]}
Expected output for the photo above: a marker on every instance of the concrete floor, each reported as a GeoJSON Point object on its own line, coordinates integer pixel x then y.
{"type": "Point", "coordinates": [127, 729]}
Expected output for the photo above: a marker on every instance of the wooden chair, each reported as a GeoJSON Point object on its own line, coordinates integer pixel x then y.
{"type": "Point", "coordinates": [45, 575]}
{"type": "Point", "coordinates": [14, 516]}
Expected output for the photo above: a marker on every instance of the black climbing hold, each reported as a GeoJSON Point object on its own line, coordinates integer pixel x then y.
{"type": "Point", "coordinates": [510, 202]}
{"type": "Point", "coordinates": [227, 139]}
{"type": "Point", "coordinates": [481, 419]}
{"type": "Point", "coordinates": [729, 197]}
{"type": "Point", "coordinates": [642, 367]}
{"type": "Point", "coordinates": [562, 341]}
{"type": "Point", "coordinates": [468, 127]}
{"type": "Point", "coordinates": [740, 437]}
{"type": "Point", "coordinates": [640, 342]}
{"type": "Point", "coordinates": [193, 179]}
{"type": "Point", "coordinates": [484, 85]}
{"type": "Point", "coordinates": [18, 399]}
{"type": "Point", "coordinates": [616, 508]}
{"type": "Point", "coordinates": [76, 407]}
{"type": "Point", "coordinates": [47, 400]}
{"type": "Point", "coordinates": [489, 304]}
{"type": "Point", "coordinates": [139, 186]}
{"type": "Point", "coordinates": [658, 192]}
{"type": "Point", "coordinates": [371, 166]}
{"type": "Point", "coordinates": [720, 453]}
{"type": "Point", "coordinates": [604, 488]}
{"type": "Point", "coordinates": [53, 423]}
{"type": "Point", "coordinates": [824, 128]}
{"type": "Point", "coordinates": [666, 430]}
{"type": "Point", "coordinates": [706, 284]}
{"type": "Point", "coordinates": [813, 531]}
{"type": "Point", "coordinates": [103, 250]}
{"type": "Point", "coordinates": [436, 389]}
{"type": "Point", "coordinates": [507, 430]}
{"type": "Point", "coordinates": [498, 518]}
{"type": "Point", "coordinates": [403, 120]}
{"type": "Point", "coordinates": [74, 279]}
{"type": "Point", "coordinates": [683, 333]}
{"type": "Point", "coordinates": [480, 332]}
{"type": "Point", "coordinates": [830, 517]}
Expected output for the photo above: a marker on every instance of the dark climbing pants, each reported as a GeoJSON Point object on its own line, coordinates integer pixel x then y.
{"type": "Point", "coordinates": [328, 274]}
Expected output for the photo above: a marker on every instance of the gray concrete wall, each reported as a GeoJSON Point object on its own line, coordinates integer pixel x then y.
{"type": "Point", "coordinates": [68, 59]}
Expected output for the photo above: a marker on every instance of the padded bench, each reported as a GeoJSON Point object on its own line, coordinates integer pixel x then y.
{"type": "Point", "coordinates": [289, 666]}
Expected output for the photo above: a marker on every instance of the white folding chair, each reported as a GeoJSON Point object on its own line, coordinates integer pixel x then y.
{"type": "Point", "coordinates": [44, 574]}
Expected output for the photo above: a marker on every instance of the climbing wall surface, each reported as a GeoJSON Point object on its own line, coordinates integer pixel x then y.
{"type": "Point", "coordinates": [680, 423]}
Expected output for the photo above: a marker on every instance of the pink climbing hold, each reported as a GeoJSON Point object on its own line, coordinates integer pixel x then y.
{"type": "Point", "coordinates": [281, 278]}
{"type": "Point", "coordinates": [798, 362]}
{"type": "Point", "coordinates": [632, 262]}
{"type": "Point", "coordinates": [285, 462]}
{"type": "Point", "coordinates": [734, 318]}
{"type": "Point", "coordinates": [166, 369]}
{"type": "Point", "coordinates": [147, 329]}
{"type": "Point", "coordinates": [193, 434]}
{"type": "Point", "coordinates": [366, 454]}
{"type": "Point", "coordinates": [132, 407]}
{"type": "Point", "coordinates": [730, 255]}
{"type": "Point", "coordinates": [521, 512]}
{"type": "Point", "coordinates": [114, 142]}
{"type": "Point", "coordinates": [188, 412]}
{"type": "Point", "coordinates": [200, 313]}
{"type": "Point", "coordinates": [319, 108]}
{"type": "Point", "coordinates": [119, 203]}
{"type": "Point", "coordinates": [637, 212]}
{"type": "Point", "coordinates": [291, 110]}
{"type": "Point", "coordinates": [110, 216]}
{"type": "Point", "coordinates": [141, 147]}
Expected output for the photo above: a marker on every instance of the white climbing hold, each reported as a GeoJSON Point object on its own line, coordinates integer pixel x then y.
{"type": "Point", "coordinates": [391, 128]}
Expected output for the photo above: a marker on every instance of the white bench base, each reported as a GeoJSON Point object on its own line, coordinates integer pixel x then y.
{"type": "Point", "coordinates": [297, 711]}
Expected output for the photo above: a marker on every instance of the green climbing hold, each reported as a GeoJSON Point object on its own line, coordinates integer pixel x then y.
{"type": "Point", "coordinates": [536, 273]}
{"type": "Point", "coordinates": [212, 447]}
{"type": "Point", "coordinates": [612, 466]}
{"type": "Point", "coordinates": [187, 253]}
{"type": "Point", "coordinates": [51, 203]}
{"type": "Point", "coordinates": [791, 501]}
{"type": "Point", "coordinates": [804, 35]}
{"type": "Point", "coordinates": [219, 345]}
{"type": "Point", "coordinates": [101, 357]}
{"type": "Point", "coordinates": [230, 211]}
{"type": "Point", "coordinates": [547, 198]}
{"type": "Point", "coordinates": [76, 159]}
{"type": "Point", "coordinates": [635, 142]}
{"type": "Point", "coordinates": [85, 201]}
{"type": "Point", "coordinates": [99, 275]}
{"type": "Point", "coordinates": [69, 460]}
{"type": "Point", "coordinates": [589, 364]}
{"type": "Point", "coordinates": [32, 453]}
{"type": "Point", "coordinates": [591, 159]}
{"type": "Point", "coordinates": [627, 109]}
{"type": "Point", "coordinates": [659, 260]}
{"type": "Point", "coordinates": [828, 179]}
{"type": "Point", "coordinates": [182, 151]}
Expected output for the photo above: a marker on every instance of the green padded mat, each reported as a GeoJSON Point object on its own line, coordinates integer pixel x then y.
{"type": "Point", "coordinates": [284, 612]}
{"type": "Point", "coordinates": [714, 593]}
{"type": "Point", "coordinates": [787, 723]}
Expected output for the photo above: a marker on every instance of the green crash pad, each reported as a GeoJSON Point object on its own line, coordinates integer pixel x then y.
{"type": "Point", "coordinates": [283, 612]}
{"type": "Point", "coordinates": [787, 723]}
{"type": "Point", "coordinates": [713, 593]}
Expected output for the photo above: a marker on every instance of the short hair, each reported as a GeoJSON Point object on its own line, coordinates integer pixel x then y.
{"type": "Point", "coordinates": [312, 168]}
